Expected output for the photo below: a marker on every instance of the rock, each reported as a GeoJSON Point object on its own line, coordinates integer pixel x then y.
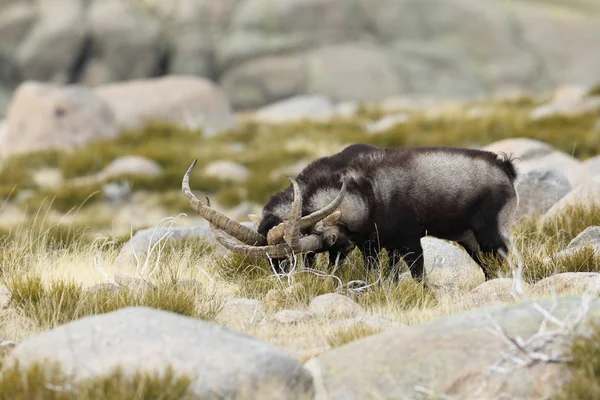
{"type": "Point", "coordinates": [308, 107]}
{"type": "Point", "coordinates": [387, 122]}
{"type": "Point", "coordinates": [346, 109]}
{"type": "Point", "coordinates": [572, 168]}
{"type": "Point", "coordinates": [351, 71]}
{"type": "Point", "coordinates": [240, 312]}
{"type": "Point", "coordinates": [586, 195]}
{"type": "Point", "coordinates": [131, 165]}
{"type": "Point", "coordinates": [126, 41]}
{"type": "Point", "coordinates": [523, 148]}
{"type": "Point", "coordinates": [568, 283]}
{"type": "Point", "coordinates": [335, 305]}
{"type": "Point", "coordinates": [48, 177]}
{"type": "Point", "coordinates": [227, 170]}
{"type": "Point", "coordinates": [265, 80]}
{"type": "Point", "coordinates": [259, 28]}
{"type": "Point", "coordinates": [16, 21]}
{"type": "Point", "coordinates": [51, 47]}
{"type": "Point", "coordinates": [452, 357]}
{"type": "Point", "coordinates": [567, 107]}
{"type": "Point", "coordinates": [539, 189]}
{"type": "Point", "coordinates": [588, 238]}
{"type": "Point", "coordinates": [592, 166]}
{"type": "Point", "coordinates": [220, 362]}
{"type": "Point", "coordinates": [189, 101]}
{"type": "Point", "coordinates": [492, 292]}
{"type": "Point", "coordinates": [289, 317]}
{"type": "Point", "coordinates": [47, 116]}
{"type": "Point", "coordinates": [117, 193]}
{"type": "Point", "coordinates": [145, 238]}
{"type": "Point", "coordinates": [440, 254]}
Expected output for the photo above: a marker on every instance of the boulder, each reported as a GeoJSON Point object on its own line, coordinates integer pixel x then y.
{"type": "Point", "coordinates": [592, 165]}
{"type": "Point", "coordinates": [264, 27]}
{"type": "Point", "coordinates": [188, 101]}
{"type": "Point", "coordinates": [588, 238]}
{"type": "Point", "coordinates": [333, 304]}
{"type": "Point", "coordinates": [492, 292]}
{"type": "Point", "coordinates": [539, 189]}
{"type": "Point", "coordinates": [131, 165]}
{"type": "Point", "coordinates": [126, 42]}
{"type": "Point", "coordinates": [227, 170]}
{"type": "Point", "coordinates": [221, 363]}
{"type": "Point", "coordinates": [571, 167]}
{"type": "Point", "coordinates": [15, 22]}
{"type": "Point", "coordinates": [451, 261]}
{"type": "Point", "coordinates": [451, 356]}
{"type": "Point", "coordinates": [524, 149]}
{"type": "Point", "coordinates": [586, 195]}
{"type": "Point", "coordinates": [236, 313]}
{"type": "Point", "coordinates": [52, 45]}
{"type": "Point", "coordinates": [351, 72]}
{"type": "Point", "coordinates": [568, 283]}
{"type": "Point", "coordinates": [297, 108]}
{"type": "Point", "coordinates": [144, 239]}
{"type": "Point", "coordinates": [388, 122]}
{"type": "Point", "coordinates": [45, 116]}
{"type": "Point", "coordinates": [290, 317]}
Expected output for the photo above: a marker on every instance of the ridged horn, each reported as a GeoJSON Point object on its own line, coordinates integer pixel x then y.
{"type": "Point", "coordinates": [219, 220]}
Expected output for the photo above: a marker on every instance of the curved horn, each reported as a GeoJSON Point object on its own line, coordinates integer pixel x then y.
{"type": "Point", "coordinates": [277, 232]}
{"type": "Point", "coordinates": [219, 220]}
{"type": "Point", "coordinates": [292, 230]}
{"type": "Point", "coordinates": [306, 244]}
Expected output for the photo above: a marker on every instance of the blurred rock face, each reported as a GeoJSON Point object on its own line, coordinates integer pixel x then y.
{"type": "Point", "coordinates": [262, 51]}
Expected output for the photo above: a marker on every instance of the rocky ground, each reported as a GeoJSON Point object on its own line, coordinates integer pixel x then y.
{"type": "Point", "coordinates": [262, 51]}
{"type": "Point", "coordinates": [100, 269]}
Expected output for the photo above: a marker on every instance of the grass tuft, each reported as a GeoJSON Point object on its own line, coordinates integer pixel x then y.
{"type": "Point", "coordinates": [347, 335]}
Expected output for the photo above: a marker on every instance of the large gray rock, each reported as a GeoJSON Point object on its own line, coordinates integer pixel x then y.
{"type": "Point", "coordinates": [571, 167]}
{"type": "Point", "coordinates": [525, 149]}
{"type": "Point", "coordinates": [188, 101]}
{"type": "Point", "coordinates": [144, 239]}
{"type": "Point", "coordinates": [126, 43]}
{"type": "Point", "coordinates": [297, 108]}
{"type": "Point", "coordinates": [16, 20]}
{"type": "Point", "coordinates": [451, 355]}
{"type": "Point", "coordinates": [221, 363]}
{"type": "Point", "coordinates": [46, 116]}
{"type": "Point", "coordinates": [53, 44]}
{"type": "Point", "coordinates": [539, 189]}
{"type": "Point", "coordinates": [131, 166]}
{"type": "Point", "coordinates": [585, 195]}
{"type": "Point", "coordinates": [262, 27]}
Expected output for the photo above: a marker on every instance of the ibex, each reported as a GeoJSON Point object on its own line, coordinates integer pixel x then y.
{"type": "Point", "coordinates": [388, 198]}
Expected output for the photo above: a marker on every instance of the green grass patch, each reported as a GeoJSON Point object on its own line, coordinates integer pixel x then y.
{"type": "Point", "coordinates": [64, 301]}
{"type": "Point", "coordinates": [47, 381]}
{"type": "Point", "coordinates": [347, 335]}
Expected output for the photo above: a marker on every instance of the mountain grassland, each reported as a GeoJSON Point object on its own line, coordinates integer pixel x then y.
{"type": "Point", "coordinates": [60, 239]}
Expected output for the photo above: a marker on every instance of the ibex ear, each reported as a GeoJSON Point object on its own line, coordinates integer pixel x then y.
{"type": "Point", "coordinates": [255, 219]}
{"type": "Point", "coordinates": [332, 218]}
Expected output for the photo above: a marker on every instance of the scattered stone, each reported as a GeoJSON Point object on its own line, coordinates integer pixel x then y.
{"type": "Point", "coordinates": [189, 101]}
{"type": "Point", "coordinates": [290, 317]}
{"type": "Point", "coordinates": [452, 357]}
{"type": "Point", "coordinates": [227, 170]}
{"type": "Point", "coordinates": [335, 305]}
{"type": "Point", "coordinates": [539, 189]}
{"type": "Point", "coordinates": [45, 116]}
{"type": "Point", "coordinates": [239, 312]}
{"type": "Point", "coordinates": [387, 122]}
{"type": "Point", "coordinates": [567, 107]}
{"type": "Point", "coordinates": [307, 107]}
{"type": "Point", "coordinates": [131, 165]}
{"type": "Point", "coordinates": [48, 177]}
{"type": "Point", "coordinates": [492, 292]}
{"type": "Point", "coordinates": [523, 148]}
{"type": "Point", "coordinates": [346, 109]}
{"type": "Point", "coordinates": [592, 166]}
{"type": "Point", "coordinates": [442, 255]}
{"type": "Point", "coordinates": [568, 283]}
{"type": "Point", "coordinates": [220, 362]}
{"type": "Point", "coordinates": [587, 194]}
{"type": "Point", "coordinates": [117, 193]}
{"type": "Point", "coordinates": [588, 238]}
